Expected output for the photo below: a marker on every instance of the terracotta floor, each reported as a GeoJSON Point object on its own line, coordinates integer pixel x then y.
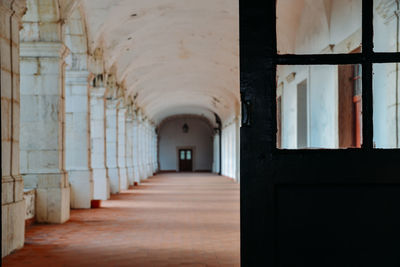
{"type": "Point", "coordinates": [168, 220]}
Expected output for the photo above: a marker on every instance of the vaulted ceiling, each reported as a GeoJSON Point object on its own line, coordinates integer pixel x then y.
{"type": "Point", "coordinates": [177, 56]}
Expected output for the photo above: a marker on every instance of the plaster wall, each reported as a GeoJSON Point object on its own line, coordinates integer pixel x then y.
{"type": "Point", "coordinates": [171, 137]}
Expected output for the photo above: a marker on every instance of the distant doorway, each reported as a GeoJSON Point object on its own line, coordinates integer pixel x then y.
{"type": "Point", "coordinates": [185, 160]}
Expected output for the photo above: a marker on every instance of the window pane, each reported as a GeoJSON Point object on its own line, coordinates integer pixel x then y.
{"type": "Point", "coordinates": [182, 156]}
{"type": "Point", "coordinates": [317, 26]}
{"type": "Point", "coordinates": [386, 34]}
{"type": "Point", "coordinates": [188, 155]}
{"type": "Point", "coordinates": [319, 106]}
{"type": "Point", "coordinates": [386, 105]}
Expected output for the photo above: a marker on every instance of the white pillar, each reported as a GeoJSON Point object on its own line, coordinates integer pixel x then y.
{"type": "Point", "coordinates": [43, 128]}
{"type": "Point", "coordinates": [121, 147]}
{"type": "Point", "coordinates": [129, 147]}
{"type": "Point", "coordinates": [111, 145]}
{"type": "Point", "coordinates": [12, 204]}
{"type": "Point", "coordinates": [156, 167]}
{"type": "Point", "coordinates": [140, 150]}
{"type": "Point", "coordinates": [77, 141]}
{"type": "Point", "coordinates": [98, 144]}
{"type": "Point", "coordinates": [136, 154]}
{"type": "Point", "coordinates": [147, 146]}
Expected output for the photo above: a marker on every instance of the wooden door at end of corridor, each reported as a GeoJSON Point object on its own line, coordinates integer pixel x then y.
{"type": "Point", "coordinates": [185, 160]}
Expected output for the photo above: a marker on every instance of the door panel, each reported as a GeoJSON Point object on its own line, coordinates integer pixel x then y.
{"type": "Point", "coordinates": [308, 207]}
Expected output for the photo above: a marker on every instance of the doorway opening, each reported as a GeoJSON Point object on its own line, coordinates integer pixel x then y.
{"type": "Point", "coordinates": [185, 160]}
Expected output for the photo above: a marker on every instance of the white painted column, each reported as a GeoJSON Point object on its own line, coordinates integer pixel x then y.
{"type": "Point", "coordinates": [43, 128]}
{"type": "Point", "coordinates": [237, 150]}
{"type": "Point", "coordinates": [140, 149]}
{"type": "Point", "coordinates": [77, 138]}
{"type": "Point", "coordinates": [154, 150]}
{"type": "Point", "coordinates": [111, 145]}
{"type": "Point", "coordinates": [12, 204]}
{"type": "Point", "coordinates": [98, 143]}
{"type": "Point", "coordinates": [121, 147]}
{"type": "Point", "coordinates": [147, 149]}
{"type": "Point", "coordinates": [136, 154]}
{"type": "Point", "coordinates": [129, 147]}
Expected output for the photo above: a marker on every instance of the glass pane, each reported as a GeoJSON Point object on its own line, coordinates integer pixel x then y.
{"type": "Point", "coordinates": [188, 155]}
{"type": "Point", "coordinates": [386, 21]}
{"type": "Point", "coordinates": [318, 26]}
{"type": "Point", "coordinates": [319, 106]}
{"type": "Point", "coordinates": [386, 105]}
{"type": "Point", "coordinates": [182, 156]}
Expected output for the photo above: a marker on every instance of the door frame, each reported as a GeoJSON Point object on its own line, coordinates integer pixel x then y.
{"type": "Point", "coordinates": [193, 148]}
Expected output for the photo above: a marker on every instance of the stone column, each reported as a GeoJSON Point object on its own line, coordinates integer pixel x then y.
{"type": "Point", "coordinates": [136, 154]}
{"type": "Point", "coordinates": [43, 128]}
{"type": "Point", "coordinates": [111, 145]}
{"type": "Point", "coordinates": [141, 154]}
{"type": "Point", "coordinates": [77, 141]}
{"type": "Point", "coordinates": [148, 161]}
{"type": "Point", "coordinates": [121, 147]}
{"type": "Point", "coordinates": [12, 203]}
{"type": "Point", "coordinates": [129, 147]}
{"type": "Point", "coordinates": [98, 143]}
{"type": "Point", "coordinates": [154, 150]}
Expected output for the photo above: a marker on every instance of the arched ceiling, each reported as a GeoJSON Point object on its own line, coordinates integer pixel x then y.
{"type": "Point", "coordinates": [177, 56]}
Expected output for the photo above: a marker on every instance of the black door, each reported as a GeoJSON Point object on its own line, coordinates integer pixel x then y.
{"type": "Point", "coordinates": [185, 160]}
{"type": "Point", "coordinates": [311, 207]}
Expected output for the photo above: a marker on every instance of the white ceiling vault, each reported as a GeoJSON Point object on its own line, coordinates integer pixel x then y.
{"type": "Point", "coordinates": [178, 56]}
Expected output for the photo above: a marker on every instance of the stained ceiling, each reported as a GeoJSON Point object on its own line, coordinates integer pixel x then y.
{"type": "Point", "coordinates": [177, 56]}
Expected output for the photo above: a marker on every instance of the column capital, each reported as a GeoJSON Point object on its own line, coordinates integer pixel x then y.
{"type": "Point", "coordinates": [19, 7]}
{"type": "Point", "coordinates": [97, 92]}
{"type": "Point", "coordinates": [112, 103]}
{"type": "Point", "coordinates": [43, 49]}
{"type": "Point", "coordinates": [81, 77]}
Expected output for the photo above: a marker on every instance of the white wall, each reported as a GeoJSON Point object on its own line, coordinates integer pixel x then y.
{"type": "Point", "coordinates": [200, 136]}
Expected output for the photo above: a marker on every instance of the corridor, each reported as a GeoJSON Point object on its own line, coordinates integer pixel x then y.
{"type": "Point", "coordinates": [168, 220]}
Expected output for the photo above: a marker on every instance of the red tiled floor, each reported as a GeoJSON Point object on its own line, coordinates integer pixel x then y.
{"type": "Point", "coordinates": [168, 220]}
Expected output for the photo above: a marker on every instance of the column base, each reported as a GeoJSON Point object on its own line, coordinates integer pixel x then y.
{"type": "Point", "coordinates": [131, 175]}
{"type": "Point", "coordinates": [101, 184]}
{"type": "Point", "coordinates": [136, 174]}
{"type": "Point", "coordinates": [149, 171]}
{"type": "Point", "coordinates": [52, 196]}
{"type": "Point", "coordinates": [12, 227]}
{"type": "Point", "coordinates": [142, 172]}
{"type": "Point", "coordinates": [113, 175]}
{"type": "Point", "coordinates": [82, 188]}
{"type": "Point", "coordinates": [123, 178]}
